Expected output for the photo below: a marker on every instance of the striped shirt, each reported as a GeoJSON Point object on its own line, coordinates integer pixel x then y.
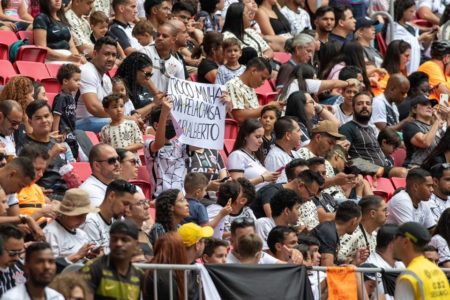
{"type": "Point", "coordinates": [10, 277]}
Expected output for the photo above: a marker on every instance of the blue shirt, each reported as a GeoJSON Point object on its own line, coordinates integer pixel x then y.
{"type": "Point", "coordinates": [197, 213]}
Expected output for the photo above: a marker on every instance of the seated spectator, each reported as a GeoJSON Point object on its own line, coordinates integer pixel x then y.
{"type": "Point", "coordinates": [249, 249]}
{"type": "Point", "coordinates": [365, 35]}
{"type": "Point", "coordinates": [105, 168]}
{"type": "Point", "coordinates": [71, 285]}
{"type": "Point", "coordinates": [345, 25]}
{"type": "Point", "coordinates": [362, 137]}
{"type": "Point", "coordinates": [231, 67]}
{"type": "Point", "coordinates": [287, 141]}
{"type": "Point", "coordinates": [297, 17]}
{"type": "Point", "coordinates": [11, 117]}
{"type": "Point", "coordinates": [37, 279]}
{"type": "Point", "coordinates": [129, 165]}
{"type": "Point", "coordinates": [243, 31]}
{"type": "Point", "coordinates": [207, 13]}
{"type": "Point", "coordinates": [64, 235]}
{"type": "Point", "coordinates": [389, 141]}
{"type": "Point", "coordinates": [143, 32]}
{"type": "Point", "coordinates": [242, 90]}
{"type": "Point", "coordinates": [157, 11]}
{"type": "Point", "coordinates": [120, 29]}
{"type": "Point", "coordinates": [325, 203]}
{"type": "Point", "coordinates": [95, 85]}
{"type": "Point", "coordinates": [39, 91]}
{"type": "Point", "coordinates": [441, 239]}
{"type": "Point", "coordinates": [16, 14]}
{"type": "Point", "coordinates": [120, 133]}
{"type": "Point", "coordinates": [435, 68]}
{"type": "Point", "coordinates": [12, 272]}
{"type": "Point", "coordinates": [362, 242]}
{"type": "Point", "coordinates": [52, 31]}
{"type": "Point", "coordinates": [431, 253]}
{"type": "Point", "coordinates": [195, 187]}
{"type": "Point", "coordinates": [283, 242]}
{"type": "Point", "coordinates": [168, 250]}
{"type": "Point", "coordinates": [324, 22]}
{"type": "Point", "coordinates": [246, 158]}
{"type": "Point", "coordinates": [410, 204]}
{"type": "Point", "coordinates": [284, 206]}
{"type": "Point", "coordinates": [431, 10]}
{"type": "Point", "coordinates": [439, 200]}
{"type": "Point", "coordinates": [212, 48]}
{"type": "Point", "coordinates": [348, 216]}
{"type": "Point", "coordinates": [80, 28]}
{"type": "Point", "coordinates": [118, 200]}
{"type": "Point", "coordinates": [418, 85]}
{"type": "Point", "coordinates": [384, 107]}
{"type": "Point", "coordinates": [269, 115]}
{"type": "Point", "coordinates": [422, 134]}
{"type": "Point", "coordinates": [171, 209]}
{"type": "Point", "coordinates": [215, 251]}
{"type": "Point", "coordinates": [115, 269]}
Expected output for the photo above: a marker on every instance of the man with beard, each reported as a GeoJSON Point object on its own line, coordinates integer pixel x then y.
{"type": "Point", "coordinates": [324, 22]}
{"type": "Point", "coordinates": [40, 269]}
{"type": "Point", "coordinates": [118, 200]}
{"type": "Point", "coordinates": [105, 166]}
{"type": "Point", "coordinates": [363, 137]}
{"type": "Point", "coordinates": [113, 276]}
{"type": "Point", "coordinates": [439, 200]}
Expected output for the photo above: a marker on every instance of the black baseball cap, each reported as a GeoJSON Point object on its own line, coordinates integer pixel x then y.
{"type": "Point", "coordinates": [415, 232]}
{"type": "Point", "coordinates": [365, 22]}
{"type": "Point", "coordinates": [126, 227]}
{"type": "Point", "coordinates": [422, 100]}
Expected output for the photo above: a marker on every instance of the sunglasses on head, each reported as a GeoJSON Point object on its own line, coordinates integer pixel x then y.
{"type": "Point", "coordinates": [244, 220]}
{"type": "Point", "coordinates": [111, 160]}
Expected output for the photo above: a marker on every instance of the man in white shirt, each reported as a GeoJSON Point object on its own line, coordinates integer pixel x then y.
{"type": "Point", "coordinates": [384, 107]}
{"type": "Point", "coordinates": [287, 141]}
{"type": "Point", "coordinates": [440, 198]}
{"type": "Point", "coordinates": [411, 204]}
{"type": "Point", "coordinates": [296, 15]}
{"type": "Point", "coordinates": [95, 85]}
{"type": "Point", "coordinates": [11, 114]}
{"type": "Point", "coordinates": [105, 166]}
{"type": "Point", "coordinates": [41, 269]}
{"type": "Point", "coordinates": [118, 200]}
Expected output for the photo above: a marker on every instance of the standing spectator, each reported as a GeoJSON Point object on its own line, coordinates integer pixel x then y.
{"type": "Point", "coordinates": [365, 35]}
{"type": "Point", "coordinates": [410, 204]}
{"type": "Point", "coordinates": [441, 239]}
{"type": "Point", "coordinates": [231, 67]}
{"type": "Point", "coordinates": [208, 67]}
{"type": "Point", "coordinates": [80, 28]}
{"type": "Point", "coordinates": [344, 111]}
{"type": "Point", "coordinates": [157, 11]}
{"type": "Point", "coordinates": [207, 13]}
{"type": "Point", "coordinates": [348, 216]}
{"type": "Point", "coordinates": [324, 22]}
{"type": "Point", "coordinates": [124, 14]}
{"type": "Point", "coordinates": [297, 17]}
{"type": "Point", "coordinates": [422, 278]}
{"type": "Point", "coordinates": [40, 269]}
{"type": "Point", "coordinates": [345, 24]}
{"type": "Point", "coordinates": [439, 200]}
{"type": "Point", "coordinates": [113, 275]}
{"type": "Point", "coordinates": [287, 141]}
{"type": "Point", "coordinates": [95, 85]}
{"type": "Point", "coordinates": [105, 167]}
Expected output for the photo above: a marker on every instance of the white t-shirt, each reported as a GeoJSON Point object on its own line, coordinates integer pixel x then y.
{"type": "Point", "coordinates": [92, 82]}
{"type": "Point", "coordinates": [437, 206]}
{"type": "Point", "coordinates": [64, 242]}
{"type": "Point", "coordinates": [401, 210]}
{"type": "Point", "coordinates": [436, 6]}
{"type": "Point", "coordinates": [96, 190]}
{"type": "Point", "coordinates": [171, 67]}
{"type": "Point", "coordinates": [340, 115]}
{"type": "Point", "coordinates": [299, 19]}
{"type": "Point", "coordinates": [20, 292]}
{"type": "Point", "coordinates": [7, 142]}
{"type": "Point", "coordinates": [213, 210]}
{"type": "Point", "coordinates": [312, 86]}
{"type": "Point", "coordinates": [277, 158]}
{"type": "Point", "coordinates": [97, 230]}
{"type": "Point", "coordinates": [441, 245]}
{"type": "Point", "coordinates": [379, 113]}
{"type": "Point", "coordinates": [240, 161]}
{"type": "Point", "coordinates": [266, 259]}
{"type": "Point", "coordinates": [263, 227]}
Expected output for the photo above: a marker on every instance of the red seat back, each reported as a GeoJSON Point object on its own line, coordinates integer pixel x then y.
{"type": "Point", "coordinates": [35, 70]}
{"type": "Point", "coordinates": [51, 98]}
{"type": "Point", "coordinates": [53, 69]}
{"type": "Point", "coordinates": [282, 57]}
{"type": "Point", "coordinates": [398, 182]}
{"type": "Point", "coordinates": [399, 157]}
{"type": "Point", "coordinates": [228, 145]}
{"type": "Point", "coordinates": [51, 85]}
{"type": "Point", "coordinates": [26, 35]}
{"type": "Point", "coordinates": [82, 169]}
{"type": "Point", "coordinates": [4, 52]}
{"type": "Point", "coordinates": [32, 53]}
{"type": "Point", "coordinates": [93, 137]}
{"type": "Point", "coordinates": [145, 186]}
{"type": "Point", "coordinates": [381, 43]}
{"type": "Point", "coordinates": [6, 71]}
{"type": "Point", "coordinates": [231, 129]}
{"type": "Point", "coordinates": [8, 37]}
{"type": "Point", "coordinates": [143, 174]}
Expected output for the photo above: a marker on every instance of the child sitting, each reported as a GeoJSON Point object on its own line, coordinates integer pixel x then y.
{"type": "Point", "coordinates": [269, 115]}
{"type": "Point", "coordinates": [195, 187]}
{"type": "Point", "coordinates": [120, 133]}
{"type": "Point", "coordinates": [389, 141]}
{"type": "Point", "coordinates": [231, 68]}
{"type": "Point", "coordinates": [64, 105]}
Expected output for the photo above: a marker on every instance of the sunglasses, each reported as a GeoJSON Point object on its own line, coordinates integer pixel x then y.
{"type": "Point", "coordinates": [133, 161]}
{"type": "Point", "coordinates": [244, 220]}
{"type": "Point", "coordinates": [13, 253]}
{"type": "Point", "coordinates": [444, 166]}
{"type": "Point", "coordinates": [111, 160]}
{"type": "Point", "coordinates": [147, 75]}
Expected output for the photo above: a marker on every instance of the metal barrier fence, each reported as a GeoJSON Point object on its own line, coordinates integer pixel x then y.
{"type": "Point", "coordinates": [195, 268]}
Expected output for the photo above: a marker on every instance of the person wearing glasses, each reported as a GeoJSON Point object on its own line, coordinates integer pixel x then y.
{"type": "Point", "coordinates": [118, 201]}
{"type": "Point", "coordinates": [11, 116]}
{"type": "Point", "coordinates": [439, 200]}
{"type": "Point", "coordinates": [129, 165]}
{"type": "Point", "coordinates": [105, 166]}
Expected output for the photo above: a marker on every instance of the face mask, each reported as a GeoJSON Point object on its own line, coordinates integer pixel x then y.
{"type": "Point", "coordinates": [170, 131]}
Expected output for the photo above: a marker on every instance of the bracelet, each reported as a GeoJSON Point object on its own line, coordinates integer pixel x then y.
{"type": "Point", "coordinates": [262, 176]}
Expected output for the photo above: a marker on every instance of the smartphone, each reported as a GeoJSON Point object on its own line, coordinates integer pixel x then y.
{"type": "Point", "coordinates": [281, 169]}
{"type": "Point", "coordinates": [225, 179]}
{"type": "Point", "coordinates": [443, 99]}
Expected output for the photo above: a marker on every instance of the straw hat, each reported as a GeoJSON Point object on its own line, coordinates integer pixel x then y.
{"type": "Point", "coordinates": [75, 202]}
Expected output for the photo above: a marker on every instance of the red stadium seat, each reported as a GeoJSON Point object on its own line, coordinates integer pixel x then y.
{"type": "Point", "coordinates": [145, 186]}
{"type": "Point", "coordinates": [4, 52]}
{"type": "Point", "coordinates": [231, 128]}
{"type": "Point", "coordinates": [32, 53]}
{"type": "Point", "coordinates": [8, 37]}
{"type": "Point", "coordinates": [51, 85]}
{"type": "Point", "coordinates": [422, 23]}
{"type": "Point", "coordinates": [82, 169]}
{"type": "Point", "coordinates": [51, 98]}
{"type": "Point", "coordinates": [281, 57]}
{"type": "Point", "coordinates": [112, 72]}
{"type": "Point", "coordinates": [53, 69]}
{"type": "Point", "coordinates": [143, 174]}
{"type": "Point", "coordinates": [228, 145]}
{"type": "Point", "coordinates": [6, 71]}
{"type": "Point", "coordinates": [93, 137]}
{"type": "Point", "coordinates": [193, 77]}
{"type": "Point", "coordinates": [382, 187]}
{"type": "Point", "coordinates": [381, 43]}
{"type": "Point", "coordinates": [399, 157]}
{"type": "Point", "coordinates": [224, 157]}
{"type": "Point", "coordinates": [398, 182]}
{"type": "Point", "coordinates": [266, 93]}
{"type": "Point", "coordinates": [35, 70]}
{"type": "Point", "coordinates": [26, 35]}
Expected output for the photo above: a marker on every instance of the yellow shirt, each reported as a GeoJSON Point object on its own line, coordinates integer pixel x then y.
{"type": "Point", "coordinates": [436, 77]}
{"type": "Point", "coordinates": [33, 195]}
{"type": "Point", "coordinates": [427, 280]}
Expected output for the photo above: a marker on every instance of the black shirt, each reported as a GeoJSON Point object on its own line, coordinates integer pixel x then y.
{"type": "Point", "coordinates": [327, 234]}
{"type": "Point", "coordinates": [64, 105]}
{"type": "Point", "coordinates": [263, 196]}
{"type": "Point", "coordinates": [404, 108]}
{"type": "Point", "coordinates": [204, 68]}
{"type": "Point", "coordinates": [58, 33]}
{"type": "Point", "coordinates": [116, 31]}
{"type": "Point", "coordinates": [267, 144]}
{"type": "Point", "coordinates": [209, 163]}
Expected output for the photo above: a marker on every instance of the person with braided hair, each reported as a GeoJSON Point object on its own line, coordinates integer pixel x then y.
{"type": "Point", "coordinates": [171, 209]}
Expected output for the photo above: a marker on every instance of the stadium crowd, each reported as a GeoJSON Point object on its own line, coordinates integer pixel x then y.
{"type": "Point", "coordinates": [336, 149]}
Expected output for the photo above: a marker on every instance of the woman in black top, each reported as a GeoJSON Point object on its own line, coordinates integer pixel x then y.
{"type": "Point", "coordinates": [212, 46]}
{"type": "Point", "coordinates": [52, 31]}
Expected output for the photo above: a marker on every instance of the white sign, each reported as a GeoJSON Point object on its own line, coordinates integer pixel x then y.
{"type": "Point", "coordinates": [198, 113]}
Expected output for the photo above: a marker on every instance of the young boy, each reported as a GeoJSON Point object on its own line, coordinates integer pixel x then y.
{"type": "Point", "coordinates": [343, 110]}
{"type": "Point", "coordinates": [215, 251]}
{"type": "Point", "coordinates": [195, 187]}
{"type": "Point", "coordinates": [143, 32]}
{"type": "Point", "coordinates": [120, 133]}
{"type": "Point", "coordinates": [232, 52]}
{"type": "Point", "coordinates": [389, 141]}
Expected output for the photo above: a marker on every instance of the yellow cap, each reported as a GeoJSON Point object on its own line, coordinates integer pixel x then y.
{"type": "Point", "coordinates": [191, 233]}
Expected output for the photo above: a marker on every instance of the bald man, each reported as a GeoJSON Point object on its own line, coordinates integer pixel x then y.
{"type": "Point", "coordinates": [385, 112]}
{"type": "Point", "coordinates": [182, 37]}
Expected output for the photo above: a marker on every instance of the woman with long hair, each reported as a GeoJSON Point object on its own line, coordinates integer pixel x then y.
{"type": "Point", "coordinates": [171, 208]}
{"type": "Point", "coordinates": [441, 239]}
{"type": "Point", "coordinates": [169, 249]}
{"type": "Point", "coordinates": [440, 154]}
{"type": "Point", "coordinates": [246, 159]}
{"type": "Point", "coordinates": [238, 25]}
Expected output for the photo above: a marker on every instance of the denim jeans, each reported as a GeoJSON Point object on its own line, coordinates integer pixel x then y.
{"type": "Point", "coordinates": [92, 124]}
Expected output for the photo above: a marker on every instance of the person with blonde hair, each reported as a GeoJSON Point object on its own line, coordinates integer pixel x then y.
{"type": "Point", "coordinates": [71, 285]}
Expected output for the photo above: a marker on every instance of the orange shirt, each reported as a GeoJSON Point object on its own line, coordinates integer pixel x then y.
{"type": "Point", "coordinates": [436, 77]}
{"type": "Point", "coordinates": [31, 195]}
